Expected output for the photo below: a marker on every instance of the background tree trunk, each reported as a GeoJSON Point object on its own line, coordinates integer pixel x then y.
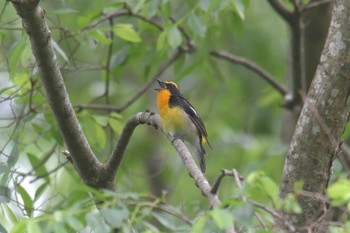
{"type": "Point", "coordinates": [317, 135]}
{"type": "Point", "coordinates": [308, 36]}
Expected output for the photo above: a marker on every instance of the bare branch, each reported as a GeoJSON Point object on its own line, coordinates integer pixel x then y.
{"type": "Point", "coordinates": [282, 10]}
{"type": "Point", "coordinates": [251, 66]}
{"type": "Point", "coordinates": [153, 119]}
{"type": "Point", "coordinates": [120, 13]}
{"type": "Point", "coordinates": [274, 214]}
{"type": "Point", "coordinates": [160, 71]}
{"type": "Point", "coordinates": [35, 25]}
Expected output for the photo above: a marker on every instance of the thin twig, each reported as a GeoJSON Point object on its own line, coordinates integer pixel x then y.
{"type": "Point", "coordinates": [50, 172]}
{"type": "Point", "coordinates": [274, 214]}
{"type": "Point", "coordinates": [160, 71]}
{"type": "Point", "coordinates": [251, 66]}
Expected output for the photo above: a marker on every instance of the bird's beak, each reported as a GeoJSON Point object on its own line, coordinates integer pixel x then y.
{"type": "Point", "coordinates": [161, 84]}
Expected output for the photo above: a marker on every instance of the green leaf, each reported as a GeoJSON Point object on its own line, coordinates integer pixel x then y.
{"type": "Point", "coordinates": [96, 222]}
{"type": "Point", "coordinates": [59, 227]}
{"type": "Point", "coordinates": [244, 214]}
{"type": "Point", "coordinates": [198, 226]}
{"type": "Point", "coordinates": [100, 37]}
{"type": "Point", "coordinates": [116, 125]}
{"type": "Point", "coordinates": [222, 218]}
{"type": "Point", "coordinates": [238, 7]}
{"type": "Point", "coordinates": [27, 200]}
{"type": "Point", "coordinates": [161, 40]}
{"type": "Point", "coordinates": [339, 192]}
{"type": "Point", "coordinates": [33, 227]}
{"type": "Point", "coordinates": [271, 188]}
{"type": "Point", "coordinates": [166, 222]}
{"type": "Point", "coordinates": [174, 37]}
{"type": "Point", "coordinates": [115, 217]}
{"type": "Point", "coordinates": [20, 226]}
{"type": "Point", "coordinates": [126, 32]}
{"type": "Point", "coordinates": [41, 170]}
{"type": "Point", "coordinates": [16, 54]}
{"type": "Point", "coordinates": [101, 120]}
{"type": "Point", "coordinates": [74, 223]}
{"type": "Point", "coordinates": [59, 50]}
{"type": "Point", "coordinates": [213, 4]}
{"type": "Point", "coordinates": [21, 79]}
{"type": "Point", "coordinates": [83, 21]}
{"type": "Point", "coordinates": [4, 194]}
{"type": "Point", "coordinates": [196, 26]}
{"type": "Point", "coordinates": [290, 204]}
{"type": "Point", "coordinates": [94, 132]}
{"type": "Point", "coordinates": [39, 191]}
{"type": "Point", "coordinates": [13, 157]}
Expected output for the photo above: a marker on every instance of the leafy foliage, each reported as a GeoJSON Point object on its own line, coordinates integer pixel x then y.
{"type": "Point", "coordinates": [105, 61]}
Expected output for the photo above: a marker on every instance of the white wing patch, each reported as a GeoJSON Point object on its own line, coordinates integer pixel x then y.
{"type": "Point", "coordinates": [193, 110]}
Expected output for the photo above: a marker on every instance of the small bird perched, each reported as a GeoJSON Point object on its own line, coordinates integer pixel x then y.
{"type": "Point", "coordinates": [180, 119]}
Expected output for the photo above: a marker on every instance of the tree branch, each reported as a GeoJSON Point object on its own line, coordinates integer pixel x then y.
{"type": "Point", "coordinates": [153, 119]}
{"type": "Point", "coordinates": [282, 10]}
{"type": "Point", "coordinates": [34, 23]}
{"type": "Point", "coordinates": [323, 118]}
{"type": "Point", "coordinates": [251, 66]}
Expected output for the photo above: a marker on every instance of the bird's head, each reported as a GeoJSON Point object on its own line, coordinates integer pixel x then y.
{"type": "Point", "coordinates": [169, 86]}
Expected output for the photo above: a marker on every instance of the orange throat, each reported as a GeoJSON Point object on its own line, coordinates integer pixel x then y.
{"type": "Point", "coordinates": [163, 97]}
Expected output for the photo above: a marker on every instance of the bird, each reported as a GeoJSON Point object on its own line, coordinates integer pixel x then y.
{"type": "Point", "coordinates": [180, 119]}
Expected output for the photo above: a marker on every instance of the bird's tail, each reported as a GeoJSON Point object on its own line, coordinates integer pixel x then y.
{"type": "Point", "coordinates": [201, 157]}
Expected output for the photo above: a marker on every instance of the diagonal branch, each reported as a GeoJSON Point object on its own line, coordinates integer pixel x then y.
{"type": "Point", "coordinates": [251, 66]}
{"type": "Point", "coordinates": [34, 23]}
{"type": "Point", "coordinates": [153, 119]}
{"type": "Point", "coordinates": [160, 71]}
{"type": "Point", "coordinates": [282, 10]}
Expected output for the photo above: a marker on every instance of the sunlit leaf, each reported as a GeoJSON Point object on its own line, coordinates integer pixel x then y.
{"type": "Point", "coordinates": [198, 226]}
{"type": "Point", "coordinates": [161, 40]}
{"type": "Point", "coordinates": [339, 192]}
{"type": "Point", "coordinates": [100, 37]}
{"type": "Point", "coordinates": [20, 226]}
{"type": "Point", "coordinates": [33, 227]}
{"type": "Point", "coordinates": [126, 32]}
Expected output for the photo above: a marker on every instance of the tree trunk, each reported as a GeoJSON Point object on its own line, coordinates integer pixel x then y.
{"type": "Point", "coordinates": [308, 36]}
{"type": "Point", "coordinates": [317, 135]}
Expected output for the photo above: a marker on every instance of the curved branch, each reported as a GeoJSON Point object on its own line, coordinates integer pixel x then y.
{"type": "Point", "coordinates": [153, 119]}
{"type": "Point", "coordinates": [39, 34]}
{"type": "Point", "coordinates": [251, 66]}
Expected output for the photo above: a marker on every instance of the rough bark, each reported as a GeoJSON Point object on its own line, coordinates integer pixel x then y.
{"type": "Point", "coordinates": [325, 113]}
{"type": "Point", "coordinates": [309, 26]}
{"type": "Point", "coordinates": [33, 21]}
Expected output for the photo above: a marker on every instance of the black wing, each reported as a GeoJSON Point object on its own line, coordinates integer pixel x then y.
{"type": "Point", "coordinates": [192, 113]}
